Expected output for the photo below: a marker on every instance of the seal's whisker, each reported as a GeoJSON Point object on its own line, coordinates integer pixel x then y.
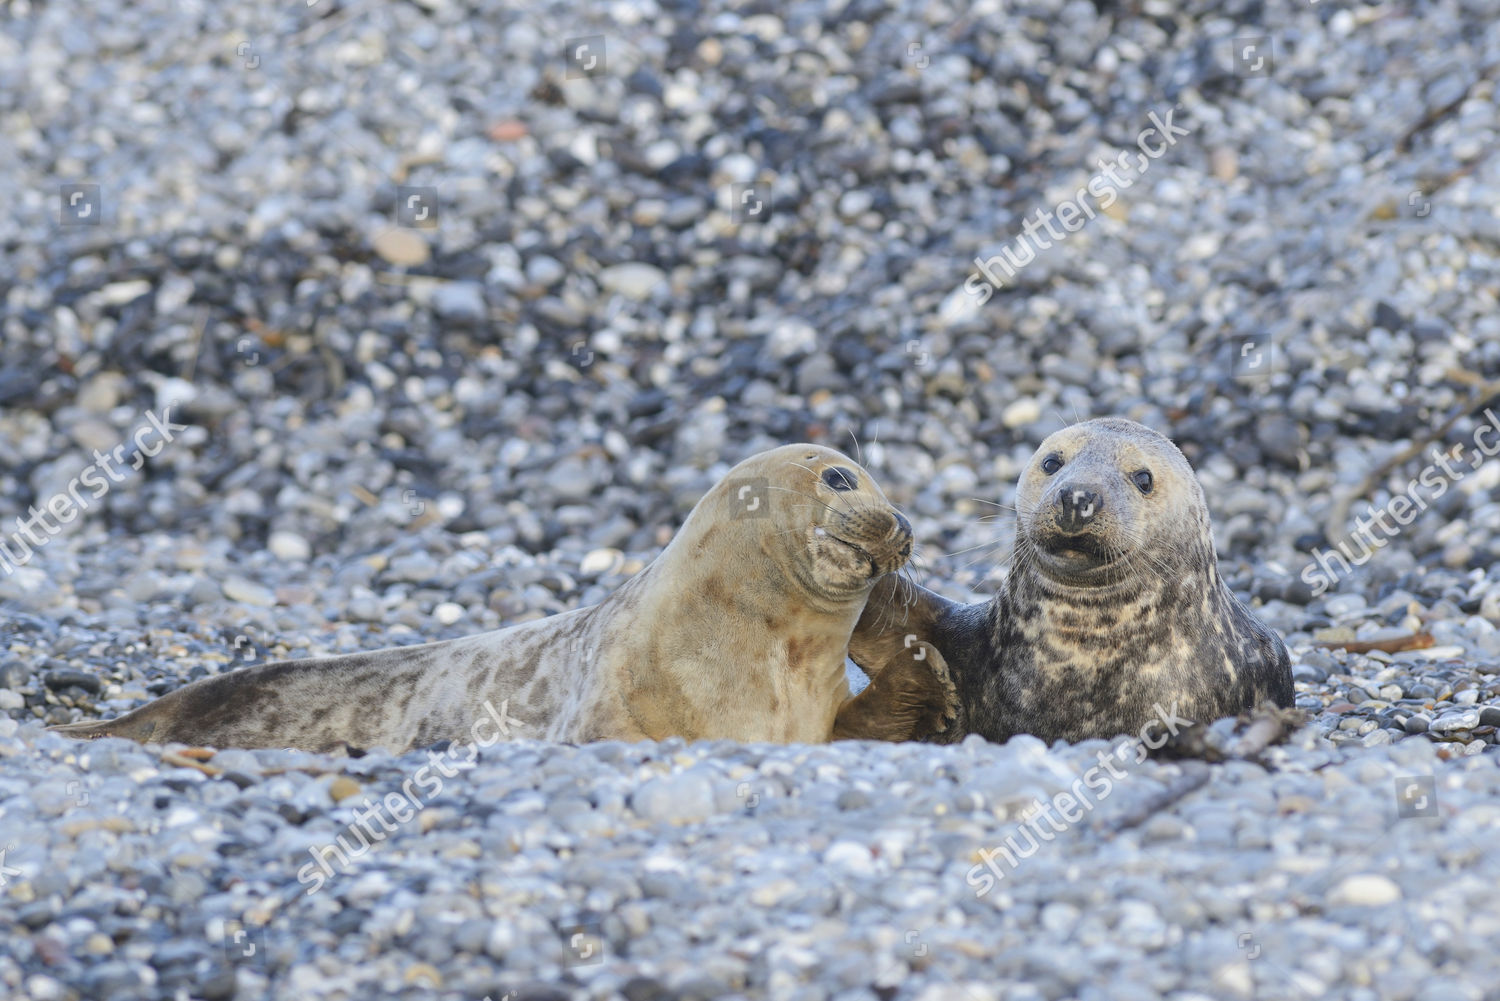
{"type": "Point", "coordinates": [913, 565]}
{"type": "Point", "coordinates": [808, 497]}
{"type": "Point", "coordinates": [982, 556]}
{"type": "Point", "coordinates": [905, 605]}
{"type": "Point", "coordinates": [1134, 549]}
{"type": "Point", "coordinates": [970, 549]}
{"type": "Point", "coordinates": [1162, 571]}
{"type": "Point", "coordinates": [981, 500]}
{"type": "Point", "coordinates": [1133, 554]}
{"type": "Point", "coordinates": [1023, 555]}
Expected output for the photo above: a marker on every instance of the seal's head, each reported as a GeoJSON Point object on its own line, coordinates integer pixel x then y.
{"type": "Point", "coordinates": [1109, 500]}
{"type": "Point", "coordinates": [819, 516]}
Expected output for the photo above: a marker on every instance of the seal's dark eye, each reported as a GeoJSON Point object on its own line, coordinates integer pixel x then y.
{"type": "Point", "coordinates": [1142, 480]}
{"type": "Point", "coordinates": [1052, 463]}
{"type": "Point", "coordinates": [840, 478]}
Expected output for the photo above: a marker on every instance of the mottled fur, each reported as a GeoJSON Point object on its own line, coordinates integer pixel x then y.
{"type": "Point", "coordinates": [738, 630]}
{"type": "Point", "coordinates": [1097, 624]}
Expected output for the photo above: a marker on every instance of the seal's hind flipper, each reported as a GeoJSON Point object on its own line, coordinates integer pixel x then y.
{"type": "Point", "coordinates": [125, 726]}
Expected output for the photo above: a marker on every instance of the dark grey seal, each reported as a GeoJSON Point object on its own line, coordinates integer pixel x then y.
{"type": "Point", "coordinates": [1113, 616]}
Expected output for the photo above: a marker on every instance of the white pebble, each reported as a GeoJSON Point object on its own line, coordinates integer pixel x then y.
{"type": "Point", "coordinates": [1365, 890]}
{"type": "Point", "coordinates": [289, 546]}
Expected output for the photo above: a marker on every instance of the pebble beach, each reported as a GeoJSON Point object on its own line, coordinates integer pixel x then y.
{"type": "Point", "coordinates": [339, 326]}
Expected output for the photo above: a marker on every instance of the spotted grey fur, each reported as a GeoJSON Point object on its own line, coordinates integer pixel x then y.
{"type": "Point", "coordinates": [1113, 612]}
{"type": "Point", "coordinates": [738, 630]}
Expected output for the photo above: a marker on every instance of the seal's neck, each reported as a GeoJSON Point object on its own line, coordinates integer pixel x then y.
{"type": "Point", "coordinates": [1095, 616]}
{"type": "Point", "coordinates": [729, 650]}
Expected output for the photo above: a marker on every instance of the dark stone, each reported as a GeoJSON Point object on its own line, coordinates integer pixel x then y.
{"type": "Point", "coordinates": [643, 81]}
{"type": "Point", "coordinates": [291, 814]}
{"type": "Point", "coordinates": [219, 985]}
{"type": "Point", "coordinates": [16, 386]}
{"type": "Point", "coordinates": [645, 989]}
{"type": "Point", "coordinates": [685, 168]}
{"type": "Point", "coordinates": [1309, 541]}
{"type": "Point", "coordinates": [1387, 318]}
{"type": "Point", "coordinates": [646, 403]}
{"type": "Point", "coordinates": [1281, 438]}
{"type": "Point", "coordinates": [1298, 591]}
{"type": "Point", "coordinates": [58, 680]}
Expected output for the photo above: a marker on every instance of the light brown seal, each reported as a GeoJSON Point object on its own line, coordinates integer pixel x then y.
{"type": "Point", "coordinates": [1113, 614]}
{"type": "Point", "coordinates": [738, 630]}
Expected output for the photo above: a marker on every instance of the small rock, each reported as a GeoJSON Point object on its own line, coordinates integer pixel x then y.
{"type": "Point", "coordinates": [1281, 438]}
{"type": "Point", "coordinates": [850, 857]}
{"type": "Point", "coordinates": [248, 592]}
{"type": "Point", "coordinates": [1021, 413]}
{"type": "Point", "coordinates": [1309, 673]}
{"type": "Point", "coordinates": [462, 301]}
{"type": "Point", "coordinates": [679, 799]}
{"type": "Point", "coordinates": [402, 247]}
{"type": "Point", "coordinates": [1364, 890]}
{"type": "Point", "coordinates": [634, 280]}
{"type": "Point", "coordinates": [855, 203]}
{"type": "Point", "coordinates": [289, 546]}
{"type": "Point", "coordinates": [602, 561]}
{"type": "Point", "coordinates": [1464, 719]}
{"type": "Point", "coordinates": [545, 271]}
{"type": "Point", "coordinates": [342, 788]}
{"type": "Point", "coordinates": [56, 680]}
{"type": "Point", "coordinates": [1387, 317]}
{"type": "Point", "coordinates": [119, 293]}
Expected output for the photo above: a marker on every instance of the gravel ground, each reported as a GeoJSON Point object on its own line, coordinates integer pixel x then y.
{"type": "Point", "coordinates": [451, 323]}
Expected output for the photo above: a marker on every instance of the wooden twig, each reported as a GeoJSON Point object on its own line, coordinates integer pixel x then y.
{"type": "Point", "coordinates": [1195, 775]}
{"type": "Point", "coordinates": [1395, 644]}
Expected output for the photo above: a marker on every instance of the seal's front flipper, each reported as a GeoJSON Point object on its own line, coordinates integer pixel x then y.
{"type": "Point", "coordinates": [898, 619]}
{"type": "Point", "coordinates": [911, 698]}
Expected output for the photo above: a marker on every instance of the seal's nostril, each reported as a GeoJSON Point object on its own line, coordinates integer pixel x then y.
{"type": "Point", "coordinates": [903, 527]}
{"type": "Point", "coordinates": [840, 478]}
{"type": "Point", "coordinates": [1076, 507]}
